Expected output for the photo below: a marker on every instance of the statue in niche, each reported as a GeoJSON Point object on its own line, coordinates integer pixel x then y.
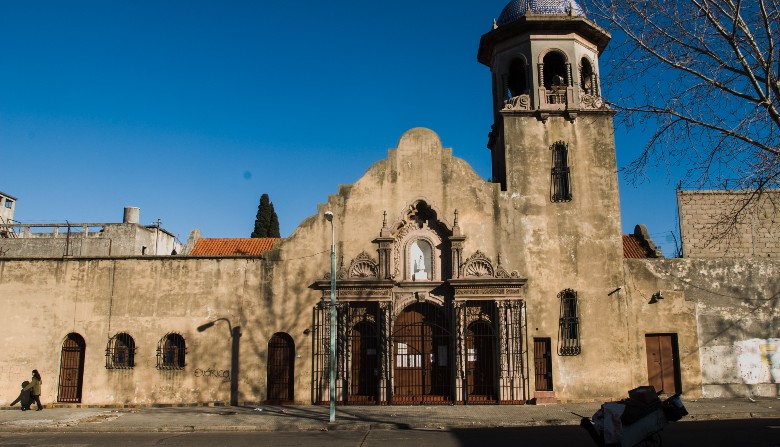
{"type": "Point", "coordinates": [420, 256]}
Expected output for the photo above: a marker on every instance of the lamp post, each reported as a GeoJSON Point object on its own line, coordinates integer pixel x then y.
{"type": "Point", "coordinates": [329, 218]}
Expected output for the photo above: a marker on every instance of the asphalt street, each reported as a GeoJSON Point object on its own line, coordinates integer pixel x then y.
{"type": "Point", "coordinates": [730, 433]}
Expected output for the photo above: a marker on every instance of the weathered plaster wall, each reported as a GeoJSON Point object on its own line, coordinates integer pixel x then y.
{"type": "Point", "coordinates": [569, 245]}
{"type": "Point", "coordinates": [735, 306]}
{"type": "Point", "coordinates": [147, 298]}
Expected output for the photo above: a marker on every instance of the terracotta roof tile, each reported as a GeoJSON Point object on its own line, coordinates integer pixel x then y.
{"type": "Point", "coordinates": [232, 246]}
{"type": "Point", "coordinates": [634, 249]}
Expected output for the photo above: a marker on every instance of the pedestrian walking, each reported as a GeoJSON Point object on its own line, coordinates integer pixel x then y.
{"type": "Point", "coordinates": [25, 397]}
{"type": "Point", "coordinates": [35, 387]}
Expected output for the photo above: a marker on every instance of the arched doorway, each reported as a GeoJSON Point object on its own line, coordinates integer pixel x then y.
{"type": "Point", "coordinates": [281, 368]}
{"type": "Point", "coordinates": [71, 369]}
{"type": "Point", "coordinates": [421, 356]}
{"type": "Point", "coordinates": [480, 362]}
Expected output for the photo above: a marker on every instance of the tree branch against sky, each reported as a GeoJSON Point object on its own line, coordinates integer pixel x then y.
{"type": "Point", "coordinates": [704, 77]}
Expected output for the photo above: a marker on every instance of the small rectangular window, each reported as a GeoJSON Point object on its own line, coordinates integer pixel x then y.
{"type": "Point", "coordinates": [9, 203]}
{"type": "Point", "coordinates": [561, 181]}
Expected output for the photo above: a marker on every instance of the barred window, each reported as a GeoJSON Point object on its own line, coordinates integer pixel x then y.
{"type": "Point", "coordinates": [120, 352]}
{"type": "Point", "coordinates": [569, 334]}
{"type": "Point", "coordinates": [171, 352]}
{"type": "Point", "coordinates": [561, 181]}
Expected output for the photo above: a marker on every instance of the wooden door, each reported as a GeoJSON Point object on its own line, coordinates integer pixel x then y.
{"type": "Point", "coordinates": [281, 363]}
{"type": "Point", "coordinates": [543, 364]}
{"type": "Point", "coordinates": [663, 370]}
{"type": "Point", "coordinates": [71, 369]}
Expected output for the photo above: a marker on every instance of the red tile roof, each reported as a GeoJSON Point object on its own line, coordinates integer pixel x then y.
{"type": "Point", "coordinates": [633, 248]}
{"type": "Point", "coordinates": [232, 246]}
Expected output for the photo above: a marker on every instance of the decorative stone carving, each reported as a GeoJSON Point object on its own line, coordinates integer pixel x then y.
{"type": "Point", "coordinates": [592, 102]}
{"type": "Point", "coordinates": [480, 266]}
{"type": "Point", "coordinates": [520, 102]}
{"type": "Point", "coordinates": [363, 266]}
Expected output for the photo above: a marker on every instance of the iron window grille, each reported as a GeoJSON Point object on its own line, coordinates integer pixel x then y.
{"type": "Point", "coordinates": [171, 352]}
{"type": "Point", "coordinates": [569, 333]}
{"type": "Point", "coordinates": [120, 352]}
{"type": "Point", "coordinates": [561, 179]}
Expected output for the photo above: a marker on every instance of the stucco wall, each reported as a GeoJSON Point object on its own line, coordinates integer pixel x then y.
{"type": "Point", "coordinates": [735, 306]}
{"type": "Point", "coordinates": [45, 300]}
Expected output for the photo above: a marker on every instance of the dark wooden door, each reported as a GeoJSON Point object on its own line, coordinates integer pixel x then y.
{"type": "Point", "coordinates": [663, 371]}
{"type": "Point", "coordinates": [421, 356]}
{"type": "Point", "coordinates": [543, 364]}
{"type": "Point", "coordinates": [480, 362]}
{"type": "Point", "coordinates": [71, 369]}
{"type": "Point", "coordinates": [281, 362]}
{"type": "Point", "coordinates": [364, 367]}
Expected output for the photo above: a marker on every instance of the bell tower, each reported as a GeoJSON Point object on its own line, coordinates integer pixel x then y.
{"type": "Point", "coordinates": [543, 56]}
{"type": "Point", "coordinates": [552, 139]}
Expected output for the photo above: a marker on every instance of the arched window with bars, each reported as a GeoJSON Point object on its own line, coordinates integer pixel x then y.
{"type": "Point", "coordinates": [120, 352]}
{"type": "Point", "coordinates": [171, 352]}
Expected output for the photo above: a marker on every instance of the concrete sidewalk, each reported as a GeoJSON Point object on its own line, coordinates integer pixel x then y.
{"type": "Point", "coordinates": [293, 418]}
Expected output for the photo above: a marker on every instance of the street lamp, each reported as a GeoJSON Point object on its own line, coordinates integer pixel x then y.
{"type": "Point", "coordinates": [235, 334]}
{"type": "Point", "coordinates": [329, 218]}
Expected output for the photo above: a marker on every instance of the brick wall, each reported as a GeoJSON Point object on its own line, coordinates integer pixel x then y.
{"type": "Point", "coordinates": [707, 231]}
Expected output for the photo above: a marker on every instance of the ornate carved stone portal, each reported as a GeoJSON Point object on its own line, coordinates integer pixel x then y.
{"type": "Point", "coordinates": [476, 342]}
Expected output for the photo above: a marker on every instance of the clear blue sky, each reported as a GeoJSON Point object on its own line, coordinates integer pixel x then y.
{"type": "Point", "coordinates": [192, 109]}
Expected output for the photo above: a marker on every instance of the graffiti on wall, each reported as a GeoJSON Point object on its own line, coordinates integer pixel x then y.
{"type": "Point", "coordinates": [758, 360]}
{"type": "Point", "coordinates": [213, 373]}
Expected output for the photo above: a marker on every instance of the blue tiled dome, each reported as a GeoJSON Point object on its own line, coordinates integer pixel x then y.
{"type": "Point", "coordinates": [517, 8]}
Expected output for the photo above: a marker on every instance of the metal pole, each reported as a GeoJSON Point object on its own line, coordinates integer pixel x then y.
{"type": "Point", "coordinates": [333, 327]}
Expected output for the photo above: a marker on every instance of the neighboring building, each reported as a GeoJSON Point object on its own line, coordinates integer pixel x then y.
{"type": "Point", "coordinates": [450, 289]}
{"type": "Point", "coordinates": [7, 207]}
{"type": "Point", "coordinates": [52, 240]}
{"type": "Point", "coordinates": [733, 224]}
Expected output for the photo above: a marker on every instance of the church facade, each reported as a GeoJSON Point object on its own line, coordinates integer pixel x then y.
{"type": "Point", "coordinates": [449, 289]}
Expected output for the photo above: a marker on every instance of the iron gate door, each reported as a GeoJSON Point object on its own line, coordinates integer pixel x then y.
{"type": "Point", "coordinates": [71, 369]}
{"type": "Point", "coordinates": [281, 358]}
{"type": "Point", "coordinates": [480, 363]}
{"type": "Point", "coordinates": [421, 345]}
{"type": "Point", "coordinates": [364, 369]}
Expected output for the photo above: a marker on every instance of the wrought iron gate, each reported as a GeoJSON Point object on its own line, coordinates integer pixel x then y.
{"type": "Point", "coordinates": [514, 375]}
{"type": "Point", "coordinates": [480, 362]}
{"type": "Point", "coordinates": [71, 369]}
{"type": "Point", "coordinates": [421, 355]}
{"type": "Point", "coordinates": [364, 353]}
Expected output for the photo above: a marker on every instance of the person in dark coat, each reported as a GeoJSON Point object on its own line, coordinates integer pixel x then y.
{"type": "Point", "coordinates": [35, 387]}
{"type": "Point", "coordinates": [25, 397]}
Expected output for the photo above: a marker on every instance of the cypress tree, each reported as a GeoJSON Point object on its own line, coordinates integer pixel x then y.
{"type": "Point", "coordinates": [273, 228]}
{"type": "Point", "coordinates": [266, 222]}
